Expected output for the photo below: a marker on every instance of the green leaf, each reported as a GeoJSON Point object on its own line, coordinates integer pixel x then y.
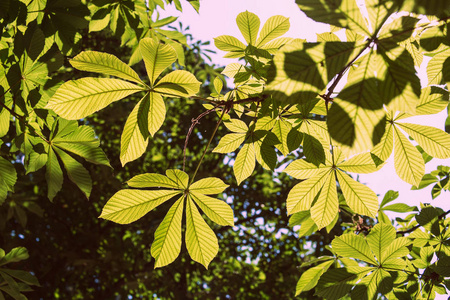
{"type": "Point", "coordinates": [326, 207]}
{"type": "Point", "coordinates": [76, 172]}
{"type": "Point", "coordinates": [313, 150]}
{"type": "Point", "coordinates": [178, 176]}
{"type": "Point", "coordinates": [384, 148]}
{"type": "Point", "coordinates": [300, 70]}
{"type": "Point", "coordinates": [378, 13]}
{"type": "Point", "coordinates": [15, 255]}
{"type": "Point", "coordinates": [427, 179]}
{"type": "Point", "coordinates": [229, 142]}
{"type": "Point", "coordinates": [359, 197]}
{"type": "Point", "coordinates": [379, 281]}
{"type": "Point", "coordinates": [432, 100]}
{"type": "Point", "coordinates": [104, 63]}
{"type": "Point", "coordinates": [248, 24]}
{"type": "Point", "coordinates": [400, 86]}
{"type": "Point", "coordinates": [396, 249]}
{"type": "Point", "coordinates": [201, 242]}
{"type": "Point", "coordinates": [281, 129]}
{"type": "Point", "coordinates": [302, 195]}
{"type": "Point", "coordinates": [379, 239]}
{"type": "Point", "coordinates": [53, 175]}
{"type": "Point", "coordinates": [152, 180]}
{"type": "Point", "coordinates": [389, 197]}
{"type": "Point", "coordinates": [132, 142]}
{"type": "Point", "coordinates": [408, 162]}
{"type": "Point", "coordinates": [336, 283]}
{"type": "Point", "coordinates": [229, 43]}
{"type": "Point", "coordinates": [208, 186]}
{"type": "Point", "coordinates": [354, 246]}
{"type": "Point", "coordinates": [435, 66]}
{"type": "Point", "coordinates": [153, 109]}
{"type": "Point", "coordinates": [400, 208]}
{"type": "Point", "coordinates": [178, 83]}
{"type": "Point", "coordinates": [127, 206]}
{"type": "Point", "coordinates": [8, 177]}
{"type": "Point", "coordinates": [301, 169]}
{"type": "Point", "coordinates": [236, 125]}
{"type": "Point", "coordinates": [434, 141]}
{"type": "Point", "coordinates": [342, 13]}
{"type": "Point", "coordinates": [356, 119]}
{"type": "Point", "coordinates": [217, 210]}
{"type": "Point", "coordinates": [360, 163]}
{"type": "Point", "coordinates": [79, 98]}
{"type": "Point", "coordinates": [167, 244]}
{"type": "Point", "coordinates": [157, 57]}
{"type": "Point", "coordinates": [24, 276]}
{"type": "Point", "coordinates": [274, 27]}
{"type": "Point", "coordinates": [310, 277]}
{"type": "Point", "coordinates": [245, 162]}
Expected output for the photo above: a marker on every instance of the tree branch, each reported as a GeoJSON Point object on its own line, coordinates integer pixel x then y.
{"type": "Point", "coordinates": [403, 232]}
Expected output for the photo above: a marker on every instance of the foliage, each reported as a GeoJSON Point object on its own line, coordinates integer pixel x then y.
{"type": "Point", "coordinates": [285, 112]}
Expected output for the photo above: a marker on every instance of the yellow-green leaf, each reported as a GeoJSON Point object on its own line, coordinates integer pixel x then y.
{"type": "Point", "coordinates": [360, 163]}
{"type": "Point", "coordinates": [79, 98]}
{"type": "Point", "coordinates": [230, 142]}
{"type": "Point", "coordinates": [248, 24]}
{"type": "Point", "coordinates": [302, 195]}
{"type": "Point", "coordinates": [274, 27]}
{"type": "Point", "coordinates": [352, 245]}
{"type": "Point", "coordinates": [201, 242]}
{"type": "Point", "coordinates": [208, 186]}
{"type": "Point", "coordinates": [127, 206]}
{"type": "Point", "coordinates": [53, 175]}
{"type": "Point", "coordinates": [151, 180]}
{"type": "Point", "coordinates": [301, 169]}
{"type": "Point", "coordinates": [434, 141]}
{"type": "Point", "coordinates": [179, 177]}
{"type": "Point", "coordinates": [217, 210]}
{"type": "Point", "coordinates": [327, 205]}
{"type": "Point", "coordinates": [384, 148]}
{"type": "Point", "coordinates": [167, 244]}
{"type": "Point", "coordinates": [154, 109]}
{"type": "Point", "coordinates": [104, 63]}
{"type": "Point", "coordinates": [157, 57]}
{"type": "Point", "coordinates": [229, 43]}
{"type": "Point", "coordinates": [178, 83]}
{"type": "Point", "coordinates": [245, 162]}
{"type": "Point", "coordinates": [360, 198]}
{"type": "Point", "coordinates": [132, 142]}
{"type": "Point", "coordinates": [432, 100]}
{"type": "Point", "coordinates": [408, 161]}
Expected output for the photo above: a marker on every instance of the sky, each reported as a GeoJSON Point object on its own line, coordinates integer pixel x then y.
{"type": "Point", "coordinates": [219, 18]}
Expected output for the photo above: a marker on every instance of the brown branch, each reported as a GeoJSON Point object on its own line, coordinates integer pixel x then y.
{"type": "Point", "coordinates": [191, 128]}
{"type": "Point", "coordinates": [403, 232]}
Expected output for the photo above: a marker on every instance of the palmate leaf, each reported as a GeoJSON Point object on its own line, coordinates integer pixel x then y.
{"type": "Point", "coordinates": [340, 13]}
{"type": "Point", "coordinates": [379, 281]}
{"type": "Point", "coordinates": [79, 98]}
{"type": "Point", "coordinates": [384, 149]}
{"type": "Point", "coordinates": [208, 186]}
{"type": "Point", "coordinates": [301, 169]}
{"type": "Point", "coordinates": [178, 83]}
{"type": "Point", "coordinates": [157, 57]}
{"type": "Point", "coordinates": [408, 161]}
{"type": "Point", "coordinates": [274, 27]}
{"type": "Point", "coordinates": [230, 142]}
{"type": "Point", "coordinates": [8, 177]}
{"type": "Point", "coordinates": [360, 198]}
{"type": "Point", "coordinates": [245, 162]}
{"type": "Point", "coordinates": [356, 119]}
{"type": "Point", "coordinates": [300, 70]}
{"type": "Point", "coordinates": [132, 141]}
{"type": "Point", "coordinates": [378, 13]}
{"type": "Point", "coordinates": [326, 207]}
{"type": "Point", "coordinates": [435, 66]}
{"type": "Point", "coordinates": [229, 43]}
{"type": "Point", "coordinates": [127, 206]}
{"type": "Point", "coordinates": [432, 100]}
{"type": "Point", "coordinates": [434, 141]}
{"type": "Point", "coordinates": [379, 239]}
{"type": "Point", "coordinates": [310, 277]}
{"type": "Point", "coordinates": [362, 163]}
{"type": "Point", "coordinates": [167, 244]}
{"type": "Point", "coordinates": [53, 175]}
{"type": "Point", "coordinates": [354, 246]}
{"type": "Point", "coordinates": [76, 172]}
{"type": "Point", "coordinates": [281, 130]}
{"type": "Point", "coordinates": [248, 24]}
{"type": "Point", "coordinates": [201, 242]}
{"type": "Point", "coordinates": [104, 63]}
{"type": "Point", "coordinates": [152, 112]}
{"type": "Point", "coordinates": [152, 180]}
{"type": "Point", "coordinates": [336, 283]}
{"type": "Point", "coordinates": [217, 210]}
{"type": "Point", "coordinates": [302, 195]}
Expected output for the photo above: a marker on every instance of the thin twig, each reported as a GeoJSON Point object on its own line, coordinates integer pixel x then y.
{"type": "Point", "coordinates": [191, 128]}
{"type": "Point", "coordinates": [207, 146]}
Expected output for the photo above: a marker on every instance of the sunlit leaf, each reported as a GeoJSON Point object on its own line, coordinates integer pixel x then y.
{"type": "Point", "coordinates": [248, 24]}
{"type": "Point", "coordinates": [327, 205]}
{"type": "Point", "coordinates": [157, 57]}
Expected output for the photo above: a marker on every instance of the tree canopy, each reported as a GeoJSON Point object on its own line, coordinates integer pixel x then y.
{"type": "Point", "coordinates": [211, 182]}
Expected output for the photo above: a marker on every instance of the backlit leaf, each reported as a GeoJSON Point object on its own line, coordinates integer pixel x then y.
{"type": "Point", "coordinates": [208, 186]}
{"type": "Point", "coordinates": [245, 162]}
{"type": "Point", "coordinates": [217, 210]}
{"type": "Point", "coordinates": [157, 57]}
{"type": "Point", "coordinates": [248, 24]}
{"type": "Point", "coordinates": [178, 83]}
{"type": "Point", "coordinates": [127, 206]}
{"type": "Point", "coordinates": [274, 27]}
{"type": "Point", "coordinates": [327, 205]}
